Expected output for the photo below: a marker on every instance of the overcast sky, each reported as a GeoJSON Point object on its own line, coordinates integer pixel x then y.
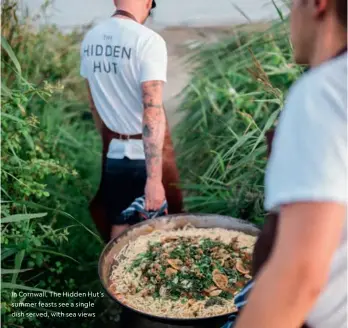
{"type": "Point", "coordinates": [69, 13]}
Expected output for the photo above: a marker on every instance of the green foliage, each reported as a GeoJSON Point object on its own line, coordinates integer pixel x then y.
{"type": "Point", "coordinates": [235, 95]}
{"type": "Point", "coordinates": [51, 151]}
{"type": "Point", "coordinates": [50, 167]}
{"type": "Point", "coordinates": [187, 268]}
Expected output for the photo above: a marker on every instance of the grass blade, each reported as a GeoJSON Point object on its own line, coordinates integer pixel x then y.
{"type": "Point", "coordinates": [11, 54]}
{"type": "Point", "coordinates": [7, 252]}
{"type": "Point", "coordinates": [34, 205]}
{"type": "Point", "coordinates": [21, 217]}
{"type": "Point", "coordinates": [8, 285]}
{"type": "Point", "coordinates": [280, 13]}
{"type": "Point", "coordinates": [18, 264]}
{"type": "Point", "coordinates": [13, 271]}
{"type": "Point", "coordinates": [48, 251]}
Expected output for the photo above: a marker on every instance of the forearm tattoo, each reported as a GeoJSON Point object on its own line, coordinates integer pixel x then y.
{"type": "Point", "coordinates": [153, 127]}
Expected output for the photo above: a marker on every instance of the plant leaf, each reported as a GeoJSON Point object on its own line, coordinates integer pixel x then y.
{"type": "Point", "coordinates": [21, 217]}
{"type": "Point", "coordinates": [11, 54]}
{"type": "Point", "coordinates": [18, 264]}
{"type": "Point", "coordinates": [12, 271]}
{"type": "Point", "coordinates": [8, 285]}
{"type": "Point", "coordinates": [280, 13]}
{"type": "Point", "coordinates": [7, 252]}
{"type": "Point", "coordinates": [48, 251]}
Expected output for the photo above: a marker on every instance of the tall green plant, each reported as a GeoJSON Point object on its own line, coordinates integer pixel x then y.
{"type": "Point", "coordinates": [235, 95]}
{"type": "Point", "coordinates": [50, 168]}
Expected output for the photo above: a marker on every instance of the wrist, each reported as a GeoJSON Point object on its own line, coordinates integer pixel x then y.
{"type": "Point", "coordinates": [154, 179]}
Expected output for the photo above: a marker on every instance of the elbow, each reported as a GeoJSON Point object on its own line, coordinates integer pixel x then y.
{"type": "Point", "coordinates": [154, 110]}
{"type": "Point", "coordinates": [154, 117]}
{"type": "Point", "coordinates": [306, 278]}
{"type": "Point", "coordinates": [312, 285]}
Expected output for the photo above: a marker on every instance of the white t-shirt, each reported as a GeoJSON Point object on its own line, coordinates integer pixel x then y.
{"type": "Point", "coordinates": [309, 162]}
{"type": "Point", "coordinates": [116, 57]}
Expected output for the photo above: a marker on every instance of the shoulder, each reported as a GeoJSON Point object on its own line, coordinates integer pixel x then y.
{"type": "Point", "coordinates": [309, 154]}
{"type": "Point", "coordinates": [152, 45]}
{"type": "Point", "coordinates": [151, 37]}
{"type": "Point", "coordinates": [320, 93]}
{"type": "Point", "coordinates": [95, 30]}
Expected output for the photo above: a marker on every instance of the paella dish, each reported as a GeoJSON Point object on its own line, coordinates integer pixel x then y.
{"type": "Point", "coordinates": [187, 273]}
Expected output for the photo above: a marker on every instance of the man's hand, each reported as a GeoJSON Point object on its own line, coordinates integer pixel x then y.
{"type": "Point", "coordinates": [154, 194]}
{"type": "Point", "coordinates": [154, 125]}
{"type": "Point", "coordinates": [116, 230]}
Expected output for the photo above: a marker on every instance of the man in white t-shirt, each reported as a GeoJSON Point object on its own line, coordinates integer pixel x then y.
{"type": "Point", "coordinates": [304, 279]}
{"type": "Point", "coordinates": [125, 65]}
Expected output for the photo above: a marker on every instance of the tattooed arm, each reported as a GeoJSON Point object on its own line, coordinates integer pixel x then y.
{"type": "Point", "coordinates": [154, 125]}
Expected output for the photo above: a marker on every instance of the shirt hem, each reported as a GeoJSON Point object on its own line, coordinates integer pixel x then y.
{"type": "Point", "coordinates": [280, 200]}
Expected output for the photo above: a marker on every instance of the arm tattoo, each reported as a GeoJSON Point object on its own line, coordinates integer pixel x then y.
{"type": "Point", "coordinates": [146, 131]}
{"type": "Point", "coordinates": [153, 127]}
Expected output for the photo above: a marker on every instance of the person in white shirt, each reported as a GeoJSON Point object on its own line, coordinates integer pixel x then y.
{"type": "Point", "coordinates": [304, 278]}
{"type": "Point", "coordinates": [125, 65]}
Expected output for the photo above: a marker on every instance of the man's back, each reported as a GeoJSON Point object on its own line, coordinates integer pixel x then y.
{"type": "Point", "coordinates": [116, 57]}
{"type": "Point", "coordinates": [125, 65]}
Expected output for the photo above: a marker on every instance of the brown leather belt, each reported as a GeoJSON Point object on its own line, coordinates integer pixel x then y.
{"type": "Point", "coordinates": [170, 181]}
{"type": "Point", "coordinates": [120, 136]}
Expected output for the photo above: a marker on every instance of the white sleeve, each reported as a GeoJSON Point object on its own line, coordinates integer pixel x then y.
{"type": "Point", "coordinates": [154, 58]}
{"type": "Point", "coordinates": [83, 66]}
{"type": "Point", "coordinates": [309, 155]}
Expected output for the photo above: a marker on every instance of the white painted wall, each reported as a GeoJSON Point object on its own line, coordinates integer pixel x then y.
{"type": "Point", "coordinates": [69, 13]}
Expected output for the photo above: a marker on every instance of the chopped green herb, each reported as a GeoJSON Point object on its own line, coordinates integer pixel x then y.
{"type": "Point", "coordinates": [214, 301]}
{"type": "Point", "coordinates": [226, 295]}
{"type": "Point", "coordinates": [185, 268]}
